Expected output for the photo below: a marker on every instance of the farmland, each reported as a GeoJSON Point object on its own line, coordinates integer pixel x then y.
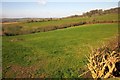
{"type": "Point", "coordinates": [36, 26]}
{"type": "Point", "coordinates": [58, 47]}
{"type": "Point", "coordinates": [58, 53]}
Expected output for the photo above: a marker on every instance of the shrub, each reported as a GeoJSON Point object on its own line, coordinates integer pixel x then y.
{"type": "Point", "coordinates": [105, 62]}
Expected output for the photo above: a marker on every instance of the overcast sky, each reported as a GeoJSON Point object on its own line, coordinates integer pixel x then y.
{"type": "Point", "coordinates": [51, 8]}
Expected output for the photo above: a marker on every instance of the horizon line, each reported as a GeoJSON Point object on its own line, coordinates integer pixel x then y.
{"type": "Point", "coordinates": [62, 16]}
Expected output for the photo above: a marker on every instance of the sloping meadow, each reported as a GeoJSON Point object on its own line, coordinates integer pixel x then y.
{"type": "Point", "coordinates": [59, 53]}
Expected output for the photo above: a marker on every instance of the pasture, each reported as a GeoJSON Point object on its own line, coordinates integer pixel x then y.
{"type": "Point", "coordinates": [58, 53]}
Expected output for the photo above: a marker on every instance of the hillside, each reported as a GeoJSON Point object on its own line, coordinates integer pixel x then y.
{"type": "Point", "coordinates": [29, 26]}
{"type": "Point", "coordinates": [58, 47]}
{"type": "Point", "coordinates": [53, 54]}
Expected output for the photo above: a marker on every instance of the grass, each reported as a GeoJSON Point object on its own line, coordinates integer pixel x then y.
{"type": "Point", "coordinates": [59, 53]}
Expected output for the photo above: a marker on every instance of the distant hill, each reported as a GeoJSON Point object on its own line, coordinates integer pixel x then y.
{"type": "Point", "coordinates": [34, 25]}
{"type": "Point", "coordinates": [99, 12]}
{"type": "Point", "coordinates": [91, 13]}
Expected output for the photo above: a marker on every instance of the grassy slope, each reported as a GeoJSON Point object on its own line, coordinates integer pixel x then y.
{"type": "Point", "coordinates": [35, 25]}
{"type": "Point", "coordinates": [55, 52]}
{"type": "Point", "coordinates": [106, 17]}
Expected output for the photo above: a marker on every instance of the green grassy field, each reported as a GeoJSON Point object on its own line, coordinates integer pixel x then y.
{"type": "Point", "coordinates": [59, 53]}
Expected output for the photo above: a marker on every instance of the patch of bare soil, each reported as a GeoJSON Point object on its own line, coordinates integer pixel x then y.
{"type": "Point", "coordinates": [16, 40]}
{"type": "Point", "coordinates": [17, 71]}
